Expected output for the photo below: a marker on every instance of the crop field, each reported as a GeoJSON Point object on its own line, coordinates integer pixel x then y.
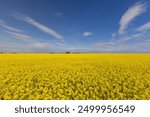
{"type": "Point", "coordinates": [74, 76]}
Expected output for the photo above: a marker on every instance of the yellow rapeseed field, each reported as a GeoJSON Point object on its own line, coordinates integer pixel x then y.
{"type": "Point", "coordinates": [74, 76]}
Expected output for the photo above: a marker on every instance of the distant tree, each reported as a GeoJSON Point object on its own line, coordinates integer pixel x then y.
{"type": "Point", "coordinates": [14, 53]}
{"type": "Point", "coordinates": [67, 52]}
{"type": "Point", "coordinates": [51, 52]}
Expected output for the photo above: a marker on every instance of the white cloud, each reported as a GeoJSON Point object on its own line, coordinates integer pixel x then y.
{"type": "Point", "coordinates": [144, 27]}
{"type": "Point", "coordinates": [36, 24]}
{"type": "Point", "coordinates": [113, 37]}
{"type": "Point", "coordinates": [26, 47]}
{"type": "Point", "coordinates": [104, 46]}
{"type": "Point", "coordinates": [15, 33]}
{"type": "Point", "coordinates": [39, 45]}
{"type": "Point", "coordinates": [87, 34]}
{"type": "Point", "coordinates": [130, 15]}
{"type": "Point", "coordinates": [20, 36]}
{"type": "Point", "coordinates": [132, 36]}
{"type": "Point", "coordinates": [5, 26]}
{"type": "Point", "coordinates": [121, 46]}
{"type": "Point", "coordinates": [17, 41]}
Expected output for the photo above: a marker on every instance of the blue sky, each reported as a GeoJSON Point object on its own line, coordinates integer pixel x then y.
{"type": "Point", "coordinates": [75, 25]}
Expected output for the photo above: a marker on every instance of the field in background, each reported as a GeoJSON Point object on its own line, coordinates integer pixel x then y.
{"type": "Point", "coordinates": [74, 76]}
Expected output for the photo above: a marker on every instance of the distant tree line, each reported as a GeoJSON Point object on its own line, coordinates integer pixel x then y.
{"type": "Point", "coordinates": [8, 52]}
{"type": "Point", "coordinates": [67, 52]}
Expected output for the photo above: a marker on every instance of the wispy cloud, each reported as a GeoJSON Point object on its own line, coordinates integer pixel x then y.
{"type": "Point", "coordinates": [19, 41]}
{"type": "Point", "coordinates": [144, 27]}
{"type": "Point", "coordinates": [41, 46]}
{"type": "Point", "coordinates": [87, 34]}
{"type": "Point", "coordinates": [121, 47]}
{"type": "Point", "coordinates": [27, 47]}
{"type": "Point", "coordinates": [130, 15]}
{"type": "Point", "coordinates": [15, 32]}
{"type": "Point", "coordinates": [104, 46]}
{"type": "Point", "coordinates": [20, 36]}
{"type": "Point", "coordinates": [5, 26]}
{"type": "Point", "coordinates": [123, 40]}
{"type": "Point", "coordinates": [113, 37]}
{"type": "Point", "coordinates": [38, 46]}
{"type": "Point", "coordinates": [131, 37]}
{"type": "Point", "coordinates": [38, 25]}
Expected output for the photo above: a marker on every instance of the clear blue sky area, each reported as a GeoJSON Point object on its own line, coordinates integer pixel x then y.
{"type": "Point", "coordinates": [75, 25]}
